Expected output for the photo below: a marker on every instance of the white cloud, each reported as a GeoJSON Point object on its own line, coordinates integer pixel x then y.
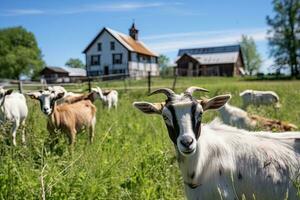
{"type": "Point", "coordinates": [113, 7]}
{"type": "Point", "coordinates": [171, 42]}
{"type": "Point", "coordinates": [16, 12]}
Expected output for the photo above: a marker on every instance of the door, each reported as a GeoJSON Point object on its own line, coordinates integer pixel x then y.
{"type": "Point", "coordinates": [106, 70]}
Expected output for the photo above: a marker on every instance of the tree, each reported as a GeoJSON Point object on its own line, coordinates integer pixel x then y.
{"type": "Point", "coordinates": [75, 63]}
{"type": "Point", "coordinates": [252, 58]}
{"type": "Point", "coordinates": [284, 32]}
{"type": "Point", "coordinates": [19, 53]}
{"type": "Point", "coordinates": [163, 62]}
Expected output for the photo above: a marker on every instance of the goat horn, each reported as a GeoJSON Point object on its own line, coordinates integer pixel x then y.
{"type": "Point", "coordinates": [168, 92]}
{"type": "Point", "coordinates": [192, 89]}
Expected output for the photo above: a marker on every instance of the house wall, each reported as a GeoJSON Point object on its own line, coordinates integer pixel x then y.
{"type": "Point", "coordinates": [106, 56]}
{"type": "Point", "coordinates": [187, 67]}
{"type": "Point", "coordinates": [139, 69]}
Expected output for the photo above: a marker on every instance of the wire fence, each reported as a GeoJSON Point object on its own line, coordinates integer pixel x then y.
{"type": "Point", "coordinates": [116, 81]}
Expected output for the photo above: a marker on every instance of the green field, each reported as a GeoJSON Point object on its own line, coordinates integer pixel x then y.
{"type": "Point", "coordinates": [131, 157]}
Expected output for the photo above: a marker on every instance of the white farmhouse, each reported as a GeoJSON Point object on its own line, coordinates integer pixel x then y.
{"type": "Point", "coordinates": [114, 53]}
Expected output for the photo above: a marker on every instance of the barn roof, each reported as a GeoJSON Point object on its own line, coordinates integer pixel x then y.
{"type": "Point", "coordinates": [68, 70]}
{"type": "Point", "coordinates": [210, 50]}
{"type": "Point", "coordinates": [127, 41]}
{"type": "Point", "coordinates": [56, 69]}
{"type": "Point", "coordinates": [75, 71]}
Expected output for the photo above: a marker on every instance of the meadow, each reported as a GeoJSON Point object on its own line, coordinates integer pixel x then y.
{"type": "Point", "coordinates": [132, 156]}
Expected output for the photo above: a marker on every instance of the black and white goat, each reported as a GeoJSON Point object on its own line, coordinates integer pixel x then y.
{"type": "Point", "coordinates": [222, 162]}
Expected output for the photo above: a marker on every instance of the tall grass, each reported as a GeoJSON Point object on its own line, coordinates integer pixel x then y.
{"type": "Point", "coordinates": [131, 157]}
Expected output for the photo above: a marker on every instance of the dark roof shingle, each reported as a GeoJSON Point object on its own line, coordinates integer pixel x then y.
{"type": "Point", "coordinates": [209, 50]}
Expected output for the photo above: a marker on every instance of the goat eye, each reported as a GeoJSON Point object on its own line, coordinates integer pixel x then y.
{"type": "Point", "coordinates": [165, 117]}
{"type": "Point", "coordinates": [199, 116]}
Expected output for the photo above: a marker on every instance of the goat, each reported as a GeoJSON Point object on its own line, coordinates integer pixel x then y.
{"type": "Point", "coordinates": [236, 117]}
{"type": "Point", "coordinates": [69, 118]}
{"type": "Point", "coordinates": [259, 98]}
{"type": "Point", "coordinates": [13, 109]}
{"type": "Point", "coordinates": [109, 98]}
{"type": "Point", "coordinates": [239, 118]}
{"type": "Point", "coordinates": [223, 162]}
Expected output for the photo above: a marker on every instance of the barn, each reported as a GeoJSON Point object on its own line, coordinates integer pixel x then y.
{"type": "Point", "coordinates": [62, 74]}
{"type": "Point", "coordinates": [211, 61]}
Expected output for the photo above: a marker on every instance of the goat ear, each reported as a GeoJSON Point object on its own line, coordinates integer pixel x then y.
{"type": "Point", "coordinates": [215, 102]}
{"type": "Point", "coordinates": [60, 95]}
{"type": "Point", "coordinates": [33, 95]}
{"type": "Point", "coordinates": [8, 92]}
{"type": "Point", "coordinates": [149, 108]}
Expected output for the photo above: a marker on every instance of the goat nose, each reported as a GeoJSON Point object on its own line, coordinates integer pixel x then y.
{"type": "Point", "coordinates": [186, 141]}
{"type": "Point", "coordinates": [46, 109]}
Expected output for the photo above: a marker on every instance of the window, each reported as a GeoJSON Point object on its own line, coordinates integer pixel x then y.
{"type": "Point", "coordinates": [112, 45]}
{"type": "Point", "coordinates": [117, 58]}
{"type": "Point", "coordinates": [95, 60]}
{"type": "Point", "coordinates": [129, 56]}
{"type": "Point", "coordinates": [99, 46]}
{"type": "Point", "coordinates": [138, 57]}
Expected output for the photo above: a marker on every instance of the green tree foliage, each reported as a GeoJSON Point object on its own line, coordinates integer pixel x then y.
{"type": "Point", "coordinates": [284, 33]}
{"type": "Point", "coordinates": [19, 53]}
{"type": "Point", "coordinates": [252, 58]}
{"type": "Point", "coordinates": [163, 62]}
{"type": "Point", "coordinates": [75, 63]}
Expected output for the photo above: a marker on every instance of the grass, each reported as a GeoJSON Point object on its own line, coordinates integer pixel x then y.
{"type": "Point", "coordinates": [131, 157]}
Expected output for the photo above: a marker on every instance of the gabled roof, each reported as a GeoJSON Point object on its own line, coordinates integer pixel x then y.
{"type": "Point", "coordinates": [56, 69]}
{"type": "Point", "coordinates": [75, 71]}
{"type": "Point", "coordinates": [217, 58]}
{"type": "Point", "coordinates": [127, 41]}
{"type": "Point", "coordinates": [186, 55]}
{"type": "Point", "coordinates": [210, 50]}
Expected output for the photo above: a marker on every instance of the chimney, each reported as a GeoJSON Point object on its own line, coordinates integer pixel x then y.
{"type": "Point", "coordinates": [133, 32]}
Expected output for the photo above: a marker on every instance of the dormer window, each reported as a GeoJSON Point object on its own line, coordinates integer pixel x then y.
{"type": "Point", "coordinates": [112, 45]}
{"type": "Point", "coordinates": [100, 46]}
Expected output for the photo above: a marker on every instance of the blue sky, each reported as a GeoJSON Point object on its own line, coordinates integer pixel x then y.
{"type": "Point", "coordinates": [64, 28]}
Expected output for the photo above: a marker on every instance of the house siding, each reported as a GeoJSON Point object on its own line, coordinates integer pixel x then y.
{"type": "Point", "coordinates": [106, 56]}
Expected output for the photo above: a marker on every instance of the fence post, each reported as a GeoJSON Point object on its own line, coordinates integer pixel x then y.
{"type": "Point", "coordinates": [125, 84]}
{"type": "Point", "coordinates": [90, 86]}
{"type": "Point", "coordinates": [20, 86]}
{"type": "Point", "coordinates": [149, 82]}
{"type": "Point", "coordinates": [175, 79]}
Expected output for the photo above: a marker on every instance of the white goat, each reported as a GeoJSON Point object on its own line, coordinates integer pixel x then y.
{"type": "Point", "coordinates": [236, 117]}
{"type": "Point", "coordinates": [223, 162]}
{"type": "Point", "coordinates": [259, 98]}
{"type": "Point", "coordinates": [13, 109]}
{"type": "Point", "coordinates": [109, 98]}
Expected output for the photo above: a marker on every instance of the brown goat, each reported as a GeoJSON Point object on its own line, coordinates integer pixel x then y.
{"type": "Point", "coordinates": [69, 118]}
{"type": "Point", "coordinates": [273, 124]}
